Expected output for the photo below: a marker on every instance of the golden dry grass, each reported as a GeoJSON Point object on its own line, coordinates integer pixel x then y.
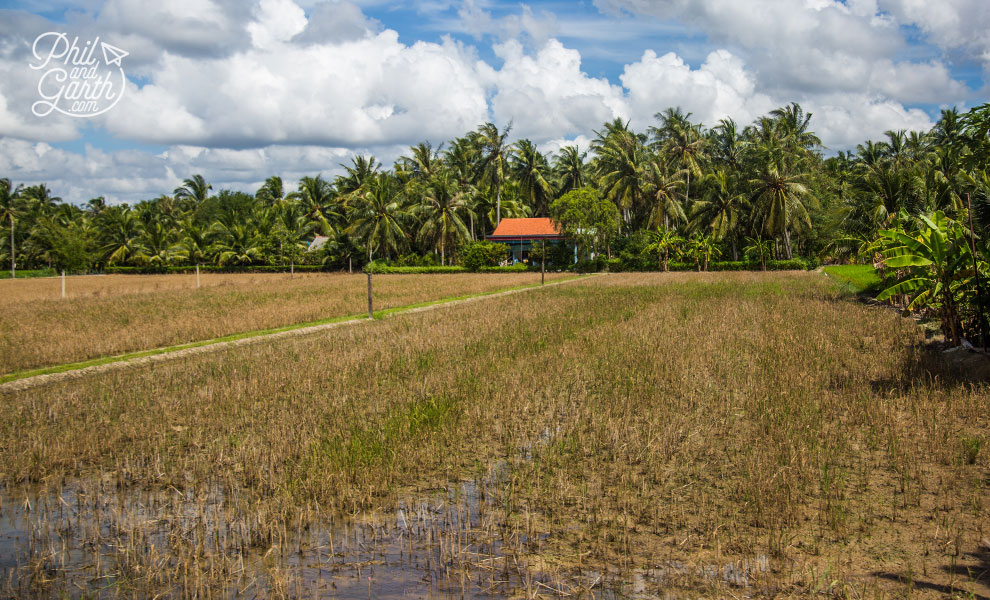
{"type": "Point", "coordinates": [650, 425]}
{"type": "Point", "coordinates": [107, 315]}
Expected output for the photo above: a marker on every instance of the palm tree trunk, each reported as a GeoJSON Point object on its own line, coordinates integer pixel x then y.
{"type": "Point", "coordinates": [498, 205]}
{"type": "Point", "coordinates": [11, 246]}
{"type": "Point", "coordinates": [787, 243]}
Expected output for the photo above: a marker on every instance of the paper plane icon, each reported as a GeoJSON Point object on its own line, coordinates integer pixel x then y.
{"type": "Point", "coordinates": [112, 54]}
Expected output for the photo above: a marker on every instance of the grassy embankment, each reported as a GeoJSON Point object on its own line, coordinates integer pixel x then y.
{"type": "Point", "coordinates": [111, 315]}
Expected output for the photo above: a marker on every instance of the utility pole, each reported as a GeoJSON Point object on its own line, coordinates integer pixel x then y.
{"type": "Point", "coordinates": [976, 272]}
{"type": "Point", "coordinates": [371, 267]}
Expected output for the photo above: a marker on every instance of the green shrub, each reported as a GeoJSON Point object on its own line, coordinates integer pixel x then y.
{"type": "Point", "coordinates": [481, 254]}
{"type": "Point", "coordinates": [516, 268]}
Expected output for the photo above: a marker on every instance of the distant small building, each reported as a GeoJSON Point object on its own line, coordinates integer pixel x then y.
{"type": "Point", "coordinates": [317, 243]}
{"type": "Point", "coordinates": [523, 235]}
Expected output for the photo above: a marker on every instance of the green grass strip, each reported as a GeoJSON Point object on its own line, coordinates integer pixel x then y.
{"type": "Point", "coordinates": [856, 278]}
{"type": "Point", "coordinates": [378, 314]}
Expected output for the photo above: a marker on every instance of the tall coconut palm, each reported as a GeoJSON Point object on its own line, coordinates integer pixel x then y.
{"type": "Point", "coordinates": [719, 209]}
{"type": "Point", "coordinates": [424, 162]}
{"type": "Point", "coordinates": [157, 245]}
{"type": "Point", "coordinates": [237, 244]}
{"type": "Point", "coordinates": [441, 214]}
{"type": "Point", "coordinates": [379, 215]}
{"type": "Point", "coordinates": [493, 158]}
{"type": "Point", "coordinates": [119, 230]}
{"type": "Point", "coordinates": [661, 186]}
{"type": "Point", "coordinates": [684, 145]}
{"type": "Point", "coordinates": [570, 169]}
{"type": "Point", "coordinates": [532, 171]}
{"type": "Point", "coordinates": [272, 192]}
{"type": "Point", "coordinates": [620, 161]}
{"type": "Point", "coordinates": [361, 170]}
{"type": "Point", "coordinates": [317, 199]}
{"type": "Point", "coordinates": [10, 211]}
{"type": "Point", "coordinates": [193, 192]}
{"type": "Point", "coordinates": [779, 196]}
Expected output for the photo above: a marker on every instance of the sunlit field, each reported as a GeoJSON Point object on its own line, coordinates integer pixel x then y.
{"type": "Point", "coordinates": [106, 315]}
{"type": "Point", "coordinates": [730, 434]}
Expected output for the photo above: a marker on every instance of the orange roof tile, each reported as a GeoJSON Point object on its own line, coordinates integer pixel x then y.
{"type": "Point", "coordinates": [525, 228]}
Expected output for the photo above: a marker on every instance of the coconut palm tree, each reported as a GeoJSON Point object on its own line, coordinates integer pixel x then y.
{"type": "Point", "coordinates": [532, 171]}
{"type": "Point", "coordinates": [272, 192]}
{"type": "Point", "coordinates": [620, 161]}
{"type": "Point", "coordinates": [10, 210]}
{"type": "Point", "coordinates": [661, 186]}
{"type": "Point", "coordinates": [379, 215]}
{"type": "Point", "coordinates": [493, 159]}
{"type": "Point", "coordinates": [119, 229]}
{"type": "Point", "coordinates": [157, 245]}
{"type": "Point", "coordinates": [441, 214]}
{"type": "Point", "coordinates": [317, 199]}
{"type": "Point", "coordinates": [193, 192]}
{"type": "Point", "coordinates": [719, 209]}
{"type": "Point", "coordinates": [779, 195]}
{"type": "Point", "coordinates": [570, 169]}
{"type": "Point", "coordinates": [237, 244]}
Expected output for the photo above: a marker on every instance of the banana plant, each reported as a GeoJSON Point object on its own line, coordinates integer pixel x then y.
{"type": "Point", "coordinates": [934, 261]}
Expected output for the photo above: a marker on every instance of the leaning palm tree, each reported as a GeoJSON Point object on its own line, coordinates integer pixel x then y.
{"type": "Point", "coordinates": [10, 210]}
{"type": "Point", "coordinates": [440, 213]}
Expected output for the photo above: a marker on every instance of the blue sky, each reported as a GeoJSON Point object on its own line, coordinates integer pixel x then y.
{"type": "Point", "coordinates": [239, 90]}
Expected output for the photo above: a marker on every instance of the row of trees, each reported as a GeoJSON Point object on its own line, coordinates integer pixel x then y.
{"type": "Point", "coordinates": [767, 183]}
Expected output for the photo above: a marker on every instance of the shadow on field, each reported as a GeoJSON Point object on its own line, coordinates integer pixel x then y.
{"type": "Point", "coordinates": [964, 574]}
{"type": "Point", "coordinates": [951, 591]}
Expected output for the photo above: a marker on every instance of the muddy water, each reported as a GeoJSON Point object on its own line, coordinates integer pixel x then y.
{"type": "Point", "coordinates": [97, 539]}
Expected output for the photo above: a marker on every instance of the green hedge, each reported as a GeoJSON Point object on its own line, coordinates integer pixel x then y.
{"type": "Point", "coordinates": [212, 269]}
{"type": "Point", "coordinates": [617, 265]}
{"type": "Point", "coordinates": [27, 273]}
{"type": "Point", "coordinates": [389, 270]}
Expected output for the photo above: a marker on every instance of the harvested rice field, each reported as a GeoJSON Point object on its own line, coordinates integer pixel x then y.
{"type": "Point", "coordinates": [621, 436]}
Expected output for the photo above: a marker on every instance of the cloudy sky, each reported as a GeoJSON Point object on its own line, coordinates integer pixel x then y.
{"type": "Point", "coordinates": [242, 89]}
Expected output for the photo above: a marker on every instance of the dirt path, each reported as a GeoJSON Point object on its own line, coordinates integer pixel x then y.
{"type": "Point", "coordinates": [141, 361]}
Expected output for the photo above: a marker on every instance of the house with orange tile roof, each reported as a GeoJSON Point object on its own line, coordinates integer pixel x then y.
{"type": "Point", "coordinates": [523, 235]}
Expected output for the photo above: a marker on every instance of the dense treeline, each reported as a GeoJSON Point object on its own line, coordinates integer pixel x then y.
{"type": "Point", "coordinates": [679, 189]}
